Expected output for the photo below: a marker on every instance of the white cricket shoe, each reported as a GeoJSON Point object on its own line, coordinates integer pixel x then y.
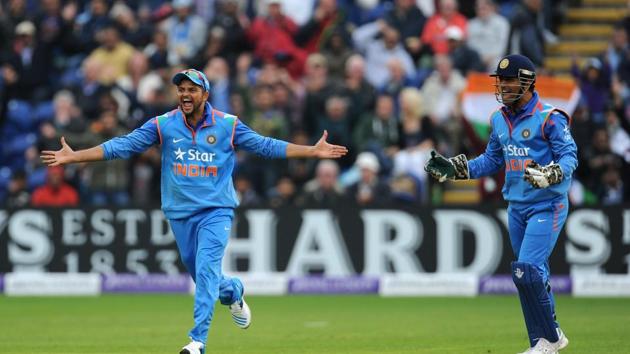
{"type": "Point", "coordinates": [562, 343]}
{"type": "Point", "coordinates": [192, 348]}
{"type": "Point", "coordinates": [544, 347]}
{"type": "Point", "coordinates": [241, 314]}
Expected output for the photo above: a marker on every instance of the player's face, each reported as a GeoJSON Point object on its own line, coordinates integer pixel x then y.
{"type": "Point", "coordinates": [508, 89]}
{"type": "Point", "coordinates": [191, 97]}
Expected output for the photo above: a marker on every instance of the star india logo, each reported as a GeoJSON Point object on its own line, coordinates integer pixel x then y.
{"type": "Point", "coordinates": [179, 154]}
{"type": "Point", "coordinates": [519, 273]}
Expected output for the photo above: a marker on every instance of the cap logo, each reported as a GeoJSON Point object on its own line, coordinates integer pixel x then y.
{"type": "Point", "coordinates": [504, 63]}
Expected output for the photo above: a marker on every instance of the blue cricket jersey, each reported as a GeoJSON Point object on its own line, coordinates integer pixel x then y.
{"type": "Point", "coordinates": [538, 132]}
{"type": "Point", "coordinates": [197, 163]}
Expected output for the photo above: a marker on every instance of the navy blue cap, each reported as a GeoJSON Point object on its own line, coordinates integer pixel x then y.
{"type": "Point", "coordinates": [196, 76]}
{"type": "Point", "coordinates": [514, 64]}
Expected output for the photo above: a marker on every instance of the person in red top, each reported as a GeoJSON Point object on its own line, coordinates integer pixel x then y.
{"type": "Point", "coordinates": [272, 37]}
{"type": "Point", "coordinates": [434, 31]}
{"type": "Point", "coordinates": [55, 193]}
{"type": "Point", "coordinates": [318, 30]}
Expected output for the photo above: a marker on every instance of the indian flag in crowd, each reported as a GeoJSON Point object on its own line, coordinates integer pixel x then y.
{"type": "Point", "coordinates": [479, 102]}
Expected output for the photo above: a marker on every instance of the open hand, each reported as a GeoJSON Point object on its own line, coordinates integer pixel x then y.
{"type": "Point", "coordinates": [59, 157]}
{"type": "Point", "coordinates": [324, 150]}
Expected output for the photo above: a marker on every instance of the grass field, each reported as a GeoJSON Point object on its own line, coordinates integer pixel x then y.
{"type": "Point", "coordinates": [303, 324]}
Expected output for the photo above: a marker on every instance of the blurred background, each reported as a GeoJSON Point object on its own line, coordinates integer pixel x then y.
{"type": "Point", "coordinates": [389, 79]}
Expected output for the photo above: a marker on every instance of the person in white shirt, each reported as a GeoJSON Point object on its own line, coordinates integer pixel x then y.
{"type": "Point", "coordinates": [488, 33]}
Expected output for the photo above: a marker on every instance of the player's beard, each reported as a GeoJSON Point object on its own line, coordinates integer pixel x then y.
{"type": "Point", "coordinates": [197, 107]}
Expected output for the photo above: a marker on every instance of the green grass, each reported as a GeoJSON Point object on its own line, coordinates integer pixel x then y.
{"type": "Point", "coordinates": [303, 324]}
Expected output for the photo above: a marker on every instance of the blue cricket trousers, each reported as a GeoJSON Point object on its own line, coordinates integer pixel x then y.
{"type": "Point", "coordinates": [201, 240]}
{"type": "Point", "coordinates": [534, 230]}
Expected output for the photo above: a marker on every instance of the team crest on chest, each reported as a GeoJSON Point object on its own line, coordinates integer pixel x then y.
{"type": "Point", "coordinates": [526, 133]}
{"type": "Point", "coordinates": [211, 139]}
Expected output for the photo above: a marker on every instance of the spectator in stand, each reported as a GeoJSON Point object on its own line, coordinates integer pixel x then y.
{"type": "Point", "coordinates": [357, 89]}
{"type": "Point", "coordinates": [441, 93]}
{"type": "Point", "coordinates": [398, 80]}
{"type": "Point", "coordinates": [54, 24]}
{"type": "Point", "coordinates": [245, 193]}
{"type": "Point", "coordinates": [416, 137]}
{"type": "Point", "coordinates": [157, 50]}
{"type": "Point", "coordinates": [594, 82]}
{"type": "Point", "coordinates": [218, 73]}
{"type": "Point", "coordinates": [186, 32]}
{"type": "Point", "coordinates": [599, 157]}
{"type": "Point", "coordinates": [300, 170]}
{"type": "Point", "coordinates": [488, 33]}
{"type": "Point", "coordinates": [319, 88]}
{"type": "Point", "coordinates": [527, 32]}
{"type": "Point", "coordinates": [433, 33]}
{"type": "Point", "coordinates": [324, 190]}
{"type": "Point", "coordinates": [68, 122]}
{"type": "Point", "coordinates": [265, 118]}
{"type": "Point", "coordinates": [610, 191]}
{"type": "Point", "coordinates": [370, 189]}
{"type": "Point", "coordinates": [17, 196]}
{"type": "Point", "coordinates": [617, 50]}
{"type": "Point", "coordinates": [108, 181]}
{"type": "Point", "coordinates": [463, 57]}
{"type": "Point", "coordinates": [113, 55]}
{"type": "Point", "coordinates": [31, 64]}
{"type": "Point", "coordinates": [325, 19]}
{"type": "Point", "coordinates": [213, 48]}
{"type": "Point", "coordinates": [409, 21]}
{"type": "Point", "coordinates": [380, 43]}
{"type": "Point", "coordinates": [286, 102]}
{"type": "Point", "coordinates": [94, 19]}
{"type": "Point", "coordinates": [619, 135]}
{"type": "Point", "coordinates": [283, 194]}
{"type": "Point", "coordinates": [378, 131]}
{"type": "Point", "coordinates": [56, 192]}
{"type": "Point", "coordinates": [233, 22]}
{"type": "Point", "coordinates": [337, 50]}
{"type": "Point", "coordinates": [272, 39]}
{"type": "Point", "coordinates": [14, 13]}
{"type": "Point", "coordinates": [337, 122]}
{"type": "Point", "coordinates": [133, 31]}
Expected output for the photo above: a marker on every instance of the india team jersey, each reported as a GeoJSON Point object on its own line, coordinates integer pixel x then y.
{"type": "Point", "coordinates": [538, 133]}
{"type": "Point", "coordinates": [197, 162]}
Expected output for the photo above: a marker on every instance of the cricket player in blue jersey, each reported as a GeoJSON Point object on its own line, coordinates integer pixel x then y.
{"type": "Point", "coordinates": [533, 141]}
{"type": "Point", "coordinates": [198, 153]}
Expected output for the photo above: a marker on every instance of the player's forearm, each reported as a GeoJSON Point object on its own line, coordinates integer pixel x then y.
{"type": "Point", "coordinates": [300, 151]}
{"type": "Point", "coordinates": [92, 154]}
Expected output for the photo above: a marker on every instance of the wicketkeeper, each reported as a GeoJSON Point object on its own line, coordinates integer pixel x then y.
{"type": "Point", "coordinates": [533, 141]}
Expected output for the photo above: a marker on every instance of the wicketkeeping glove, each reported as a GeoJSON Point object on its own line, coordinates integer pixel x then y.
{"type": "Point", "coordinates": [442, 168]}
{"type": "Point", "coordinates": [543, 176]}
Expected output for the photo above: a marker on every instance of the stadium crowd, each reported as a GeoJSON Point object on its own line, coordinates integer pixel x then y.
{"type": "Point", "coordinates": [383, 77]}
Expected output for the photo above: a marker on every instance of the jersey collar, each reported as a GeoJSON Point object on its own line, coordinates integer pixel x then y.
{"type": "Point", "coordinates": [527, 110]}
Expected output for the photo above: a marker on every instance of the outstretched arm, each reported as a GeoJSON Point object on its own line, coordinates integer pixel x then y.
{"type": "Point", "coordinates": [117, 148]}
{"type": "Point", "coordinates": [249, 140]}
{"type": "Point", "coordinates": [66, 155]}
{"type": "Point", "coordinates": [322, 149]}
